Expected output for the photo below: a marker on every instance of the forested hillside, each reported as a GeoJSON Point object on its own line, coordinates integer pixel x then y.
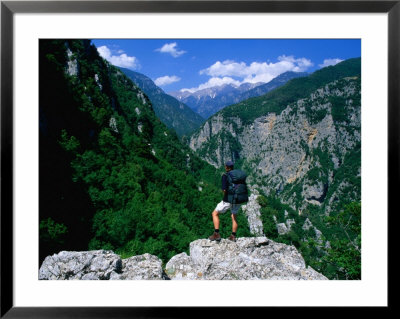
{"type": "Point", "coordinates": [173, 113]}
{"type": "Point", "coordinates": [277, 100]}
{"type": "Point", "coordinates": [111, 175]}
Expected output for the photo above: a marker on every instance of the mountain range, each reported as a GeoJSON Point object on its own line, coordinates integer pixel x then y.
{"type": "Point", "coordinates": [209, 101]}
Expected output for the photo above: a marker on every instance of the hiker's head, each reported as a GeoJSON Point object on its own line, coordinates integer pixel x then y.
{"type": "Point", "coordinates": [229, 166]}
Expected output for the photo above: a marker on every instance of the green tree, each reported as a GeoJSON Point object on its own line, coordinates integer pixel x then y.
{"type": "Point", "coordinates": [52, 235]}
{"type": "Point", "coordinates": [345, 252]}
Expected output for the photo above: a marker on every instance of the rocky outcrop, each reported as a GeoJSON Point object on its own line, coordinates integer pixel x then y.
{"type": "Point", "coordinates": [99, 265]}
{"type": "Point", "coordinates": [282, 229]}
{"type": "Point", "coordinates": [113, 124]}
{"type": "Point", "coordinates": [72, 68]}
{"type": "Point", "coordinates": [319, 238]}
{"type": "Point", "coordinates": [252, 211]}
{"type": "Point", "coordinates": [90, 265]}
{"type": "Point", "coordinates": [246, 259]}
{"type": "Point", "coordinates": [145, 266]}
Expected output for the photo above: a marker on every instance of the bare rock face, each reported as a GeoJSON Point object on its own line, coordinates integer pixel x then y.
{"type": "Point", "coordinates": [86, 265]}
{"type": "Point", "coordinates": [99, 265]}
{"type": "Point", "coordinates": [300, 147]}
{"type": "Point", "coordinates": [72, 64]}
{"type": "Point", "coordinates": [246, 259]}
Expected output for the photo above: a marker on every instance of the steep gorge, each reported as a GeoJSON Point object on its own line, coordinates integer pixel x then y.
{"type": "Point", "coordinates": [297, 152]}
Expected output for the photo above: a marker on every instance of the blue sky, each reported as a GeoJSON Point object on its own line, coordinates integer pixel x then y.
{"type": "Point", "coordinates": [193, 64]}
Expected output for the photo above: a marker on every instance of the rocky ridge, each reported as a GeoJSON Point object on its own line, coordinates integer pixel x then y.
{"type": "Point", "coordinates": [254, 258]}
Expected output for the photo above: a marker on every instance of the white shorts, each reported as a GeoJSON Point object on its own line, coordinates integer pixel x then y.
{"type": "Point", "coordinates": [222, 207]}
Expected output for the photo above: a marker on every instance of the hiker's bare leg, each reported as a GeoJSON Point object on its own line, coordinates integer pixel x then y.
{"type": "Point", "coordinates": [215, 218]}
{"type": "Point", "coordinates": [234, 223]}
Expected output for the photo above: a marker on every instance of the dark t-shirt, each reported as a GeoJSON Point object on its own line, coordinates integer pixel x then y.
{"type": "Point", "coordinates": [225, 186]}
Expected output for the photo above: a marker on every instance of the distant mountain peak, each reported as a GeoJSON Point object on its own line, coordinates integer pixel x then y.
{"type": "Point", "coordinates": [209, 101]}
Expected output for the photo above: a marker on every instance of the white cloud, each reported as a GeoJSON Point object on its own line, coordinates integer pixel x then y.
{"type": "Point", "coordinates": [223, 72]}
{"type": "Point", "coordinates": [214, 81]}
{"type": "Point", "coordinates": [257, 71]}
{"type": "Point", "coordinates": [295, 65]}
{"type": "Point", "coordinates": [171, 49]}
{"type": "Point", "coordinates": [165, 80]}
{"type": "Point", "coordinates": [121, 60]}
{"type": "Point", "coordinates": [329, 62]}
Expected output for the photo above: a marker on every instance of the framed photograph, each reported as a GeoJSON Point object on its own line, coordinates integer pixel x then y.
{"type": "Point", "coordinates": [27, 28]}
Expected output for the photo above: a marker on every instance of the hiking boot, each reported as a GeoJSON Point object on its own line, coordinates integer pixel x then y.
{"type": "Point", "coordinates": [232, 238]}
{"type": "Point", "coordinates": [215, 236]}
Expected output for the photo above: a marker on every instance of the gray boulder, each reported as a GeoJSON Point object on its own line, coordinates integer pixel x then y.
{"type": "Point", "coordinates": [142, 267]}
{"type": "Point", "coordinates": [100, 265]}
{"type": "Point", "coordinates": [282, 229]}
{"type": "Point", "coordinates": [246, 259]}
{"type": "Point", "coordinates": [86, 265]}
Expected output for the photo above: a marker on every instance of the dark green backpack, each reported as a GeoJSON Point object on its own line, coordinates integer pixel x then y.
{"type": "Point", "coordinates": [237, 190]}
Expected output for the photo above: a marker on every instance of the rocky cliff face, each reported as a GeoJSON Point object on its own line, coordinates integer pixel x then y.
{"type": "Point", "coordinates": [296, 152]}
{"type": "Point", "coordinates": [247, 259]}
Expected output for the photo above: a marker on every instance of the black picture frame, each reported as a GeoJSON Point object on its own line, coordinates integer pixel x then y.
{"type": "Point", "coordinates": [9, 8]}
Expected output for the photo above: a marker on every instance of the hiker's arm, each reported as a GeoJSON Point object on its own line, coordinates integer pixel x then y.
{"type": "Point", "coordinates": [224, 184]}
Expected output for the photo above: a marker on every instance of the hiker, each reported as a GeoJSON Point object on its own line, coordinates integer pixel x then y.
{"type": "Point", "coordinates": [235, 193]}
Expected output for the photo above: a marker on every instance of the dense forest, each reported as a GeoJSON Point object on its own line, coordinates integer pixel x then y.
{"type": "Point", "coordinates": [111, 175]}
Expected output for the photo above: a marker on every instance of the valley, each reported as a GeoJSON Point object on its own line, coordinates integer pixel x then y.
{"type": "Point", "coordinates": [125, 167]}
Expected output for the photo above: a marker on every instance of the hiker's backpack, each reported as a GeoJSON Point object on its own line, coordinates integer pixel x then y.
{"type": "Point", "coordinates": [237, 189]}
